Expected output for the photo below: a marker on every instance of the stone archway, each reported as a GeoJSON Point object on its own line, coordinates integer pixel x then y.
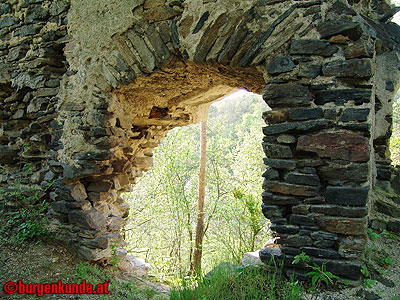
{"type": "Point", "coordinates": [323, 67]}
{"type": "Point", "coordinates": [162, 66]}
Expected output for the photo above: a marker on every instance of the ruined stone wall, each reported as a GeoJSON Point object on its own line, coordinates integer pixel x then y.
{"type": "Point", "coordinates": [93, 99]}
{"type": "Point", "coordinates": [32, 64]}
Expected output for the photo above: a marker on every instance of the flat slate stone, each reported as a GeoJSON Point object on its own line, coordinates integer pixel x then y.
{"type": "Point", "coordinates": [317, 252]}
{"type": "Point", "coordinates": [8, 21]}
{"type": "Point", "coordinates": [290, 189]}
{"type": "Point", "coordinates": [280, 163]}
{"type": "Point", "coordinates": [355, 114]}
{"type": "Point", "coordinates": [336, 145]}
{"type": "Point", "coordinates": [287, 94]}
{"type": "Point", "coordinates": [300, 114]}
{"type": "Point", "coordinates": [340, 26]}
{"type": "Point", "coordinates": [273, 199]}
{"type": "Point", "coordinates": [87, 219]}
{"type": "Point", "coordinates": [280, 64]}
{"type": "Point", "coordinates": [274, 116]}
{"type": "Point", "coordinates": [285, 229]}
{"type": "Point", "coordinates": [306, 179]}
{"type": "Point", "coordinates": [340, 211]}
{"type": "Point", "coordinates": [295, 241]}
{"type": "Point", "coordinates": [301, 220]}
{"type": "Point", "coordinates": [352, 68]}
{"type": "Point", "coordinates": [270, 173]}
{"type": "Point", "coordinates": [201, 22]}
{"type": "Point", "coordinates": [348, 172]}
{"type": "Point", "coordinates": [342, 96]}
{"type": "Point", "coordinates": [297, 127]}
{"type": "Point", "coordinates": [341, 225]}
{"type": "Point", "coordinates": [312, 47]}
{"type": "Point", "coordinates": [277, 151]}
{"type": "Point", "coordinates": [310, 71]}
{"type": "Point", "coordinates": [271, 211]}
{"type": "Point", "coordinates": [352, 196]}
{"type": "Point", "coordinates": [345, 268]}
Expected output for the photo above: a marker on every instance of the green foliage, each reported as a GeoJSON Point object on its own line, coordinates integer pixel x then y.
{"type": "Point", "coordinates": [29, 222]}
{"type": "Point", "coordinates": [118, 289]}
{"type": "Point", "coordinates": [318, 274]}
{"type": "Point", "coordinates": [114, 259]}
{"type": "Point", "coordinates": [164, 201]}
{"type": "Point", "coordinates": [395, 138]}
{"type": "Point", "coordinates": [240, 283]}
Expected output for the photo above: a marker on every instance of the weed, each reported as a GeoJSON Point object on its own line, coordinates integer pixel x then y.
{"type": "Point", "coordinates": [319, 274]}
{"type": "Point", "coordinates": [30, 220]}
{"type": "Point", "coordinates": [240, 283]}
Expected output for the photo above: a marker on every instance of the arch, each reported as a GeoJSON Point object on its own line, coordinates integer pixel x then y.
{"type": "Point", "coordinates": [135, 69]}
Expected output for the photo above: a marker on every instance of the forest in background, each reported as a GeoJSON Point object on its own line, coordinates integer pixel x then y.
{"type": "Point", "coordinates": [395, 139]}
{"type": "Point", "coordinates": [164, 202]}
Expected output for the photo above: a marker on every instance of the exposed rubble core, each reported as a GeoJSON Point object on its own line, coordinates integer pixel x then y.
{"type": "Point", "coordinates": [89, 88]}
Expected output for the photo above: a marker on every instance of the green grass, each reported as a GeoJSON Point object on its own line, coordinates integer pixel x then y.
{"type": "Point", "coordinates": [118, 289]}
{"type": "Point", "coordinates": [244, 283]}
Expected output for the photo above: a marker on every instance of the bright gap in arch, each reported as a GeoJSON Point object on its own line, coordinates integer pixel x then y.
{"type": "Point", "coordinates": [162, 223]}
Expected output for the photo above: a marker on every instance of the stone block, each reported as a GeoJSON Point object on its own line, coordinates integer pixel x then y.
{"type": "Point", "coordinates": [312, 47]}
{"type": "Point", "coordinates": [274, 116]}
{"type": "Point", "coordinates": [266, 255]}
{"type": "Point", "coordinates": [290, 189]}
{"type": "Point", "coordinates": [58, 7]}
{"type": "Point", "coordinates": [342, 225]}
{"type": "Point", "coordinates": [300, 114]}
{"type": "Point", "coordinates": [352, 247]}
{"type": "Point", "coordinates": [287, 95]}
{"type": "Point", "coordinates": [297, 127]}
{"type": "Point", "coordinates": [36, 13]}
{"type": "Point", "coordinates": [318, 252]}
{"type": "Point", "coordinates": [340, 211]}
{"type": "Point", "coordinates": [387, 207]}
{"type": "Point", "coordinates": [299, 178]}
{"type": "Point", "coordinates": [100, 197]}
{"type": "Point", "coordinates": [88, 219]}
{"type": "Point", "coordinates": [336, 145]}
{"type": "Point", "coordinates": [310, 71]}
{"type": "Point", "coordinates": [100, 186]}
{"type": "Point", "coordinates": [295, 241]}
{"type": "Point", "coordinates": [269, 198]}
{"type": "Point", "coordinates": [302, 209]}
{"type": "Point", "coordinates": [285, 229]}
{"type": "Point", "coordinates": [352, 68]}
{"type": "Point", "coordinates": [286, 139]}
{"type": "Point", "coordinates": [7, 155]}
{"type": "Point", "coordinates": [355, 114]}
{"type": "Point", "coordinates": [343, 26]}
{"type": "Point", "coordinates": [270, 174]}
{"type": "Point", "coordinates": [280, 64]}
{"type": "Point", "coordinates": [342, 268]}
{"type": "Point", "coordinates": [271, 211]}
{"type": "Point", "coordinates": [358, 50]}
{"type": "Point", "coordinates": [78, 192]}
{"type": "Point", "coordinates": [115, 223]}
{"type": "Point", "coordinates": [277, 151]}
{"type": "Point", "coordinates": [280, 163]}
{"type": "Point", "coordinates": [351, 196]}
{"type": "Point", "coordinates": [342, 96]}
{"type": "Point", "coordinates": [93, 254]}
{"type": "Point", "coordinates": [354, 172]}
{"type": "Point", "coordinates": [301, 220]}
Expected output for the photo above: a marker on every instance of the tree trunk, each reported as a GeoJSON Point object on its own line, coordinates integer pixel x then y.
{"type": "Point", "coordinates": [198, 251]}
